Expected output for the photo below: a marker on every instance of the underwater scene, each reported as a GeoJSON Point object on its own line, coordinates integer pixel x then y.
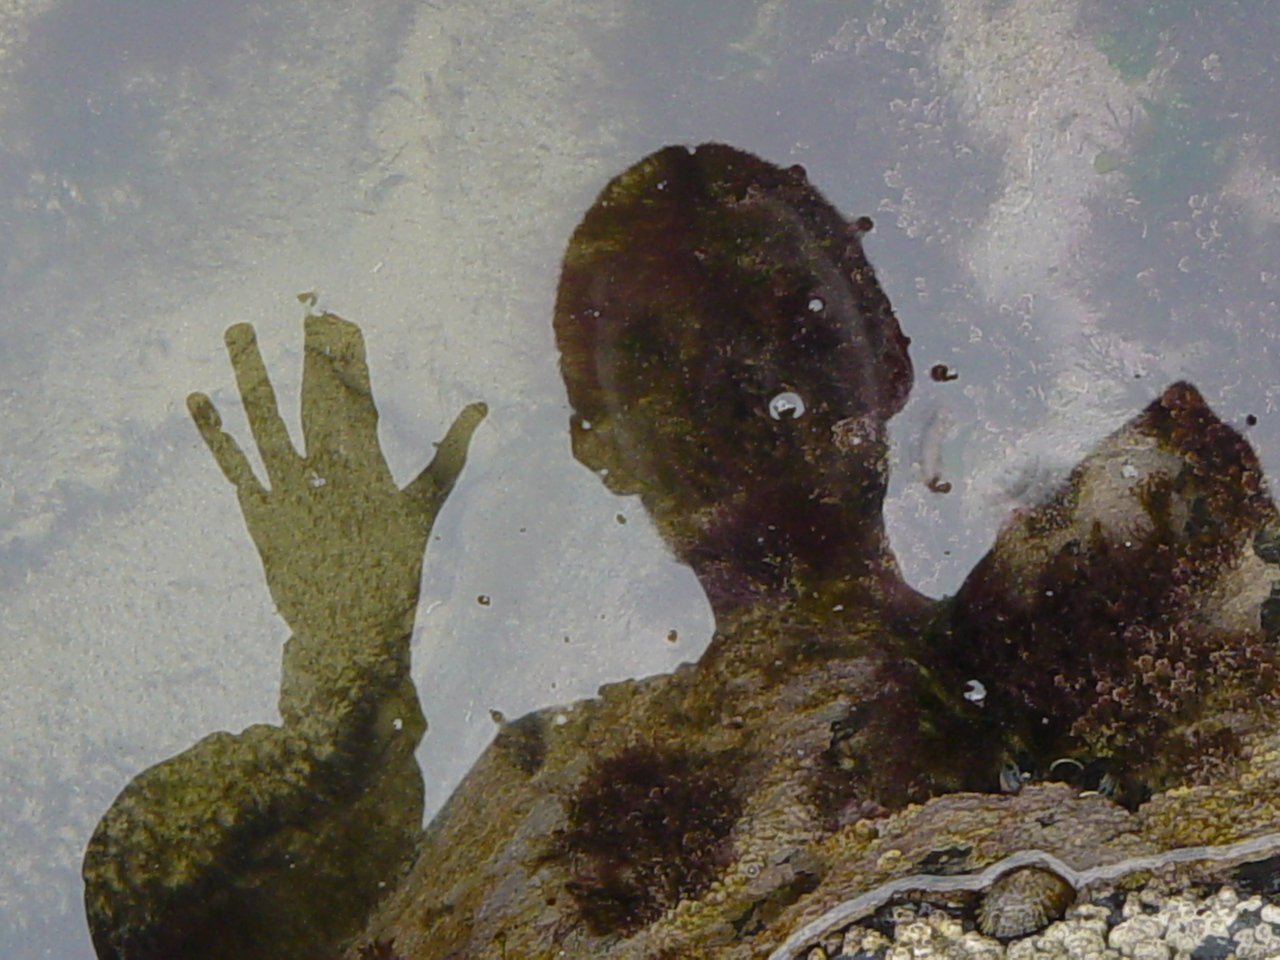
{"type": "Point", "coordinates": [575, 478]}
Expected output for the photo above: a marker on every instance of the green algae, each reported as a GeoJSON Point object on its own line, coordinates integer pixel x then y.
{"type": "Point", "coordinates": [1176, 152]}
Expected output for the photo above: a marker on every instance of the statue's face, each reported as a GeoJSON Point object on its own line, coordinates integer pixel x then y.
{"type": "Point", "coordinates": [743, 358]}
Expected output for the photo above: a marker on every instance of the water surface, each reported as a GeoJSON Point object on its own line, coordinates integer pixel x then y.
{"type": "Point", "coordinates": [1074, 207]}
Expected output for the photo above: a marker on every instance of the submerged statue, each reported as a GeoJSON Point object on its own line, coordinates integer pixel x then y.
{"type": "Point", "coordinates": [1092, 693]}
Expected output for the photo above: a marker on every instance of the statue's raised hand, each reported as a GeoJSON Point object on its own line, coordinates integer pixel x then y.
{"type": "Point", "coordinates": [341, 544]}
{"type": "Point", "coordinates": [276, 842]}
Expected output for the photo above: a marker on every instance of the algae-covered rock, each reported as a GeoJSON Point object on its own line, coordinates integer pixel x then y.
{"type": "Point", "coordinates": [1117, 627]}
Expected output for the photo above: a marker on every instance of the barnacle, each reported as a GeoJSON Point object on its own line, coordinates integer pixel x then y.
{"type": "Point", "coordinates": [1024, 901]}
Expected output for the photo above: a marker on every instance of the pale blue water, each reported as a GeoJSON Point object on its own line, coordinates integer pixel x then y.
{"type": "Point", "coordinates": [1073, 209]}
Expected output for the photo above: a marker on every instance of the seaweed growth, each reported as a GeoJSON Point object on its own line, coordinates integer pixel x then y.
{"type": "Point", "coordinates": [648, 828]}
{"type": "Point", "coordinates": [1108, 632]}
{"type": "Point", "coordinates": [882, 754]}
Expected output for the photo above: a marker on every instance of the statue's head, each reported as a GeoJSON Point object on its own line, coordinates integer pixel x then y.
{"type": "Point", "coordinates": [731, 359]}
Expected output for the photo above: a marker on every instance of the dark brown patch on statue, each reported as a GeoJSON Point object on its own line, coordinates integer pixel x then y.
{"type": "Point", "coordinates": [647, 828]}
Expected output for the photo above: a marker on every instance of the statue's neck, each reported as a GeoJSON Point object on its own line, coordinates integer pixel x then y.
{"type": "Point", "coordinates": [824, 554]}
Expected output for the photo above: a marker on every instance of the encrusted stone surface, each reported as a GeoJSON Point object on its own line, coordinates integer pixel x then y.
{"type": "Point", "coordinates": [1150, 925]}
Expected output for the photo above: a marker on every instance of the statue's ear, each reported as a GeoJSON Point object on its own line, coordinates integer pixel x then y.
{"type": "Point", "coordinates": [595, 448]}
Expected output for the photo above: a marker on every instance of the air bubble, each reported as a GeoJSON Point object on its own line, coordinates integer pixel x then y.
{"type": "Point", "coordinates": [787, 405]}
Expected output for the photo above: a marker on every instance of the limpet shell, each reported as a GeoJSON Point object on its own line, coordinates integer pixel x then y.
{"type": "Point", "coordinates": [1023, 901]}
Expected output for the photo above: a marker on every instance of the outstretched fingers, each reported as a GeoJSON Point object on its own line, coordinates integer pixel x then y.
{"type": "Point", "coordinates": [226, 452]}
{"type": "Point", "coordinates": [429, 488]}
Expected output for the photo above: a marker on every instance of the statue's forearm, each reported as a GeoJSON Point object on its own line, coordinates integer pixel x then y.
{"type": "Point", "coordinates": [353, 688]}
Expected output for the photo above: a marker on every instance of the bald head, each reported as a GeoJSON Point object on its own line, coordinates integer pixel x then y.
{"type": "Point", "coordinates": [728, 352]}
